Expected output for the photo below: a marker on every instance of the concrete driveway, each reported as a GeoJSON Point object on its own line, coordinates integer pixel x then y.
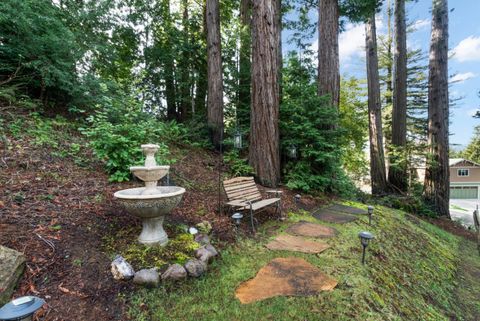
{"type": "Point", "coordinates": [462, 210]}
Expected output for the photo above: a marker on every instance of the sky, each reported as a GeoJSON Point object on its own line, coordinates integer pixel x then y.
{"type": "Point", "coordinates": [464, 61]}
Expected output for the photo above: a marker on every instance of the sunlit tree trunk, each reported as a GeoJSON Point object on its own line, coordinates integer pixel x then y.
{"type": "Point", "coordinates": [184, 68]}
{"type": "Point", "coordinates": [397, 172]}
{"type": "Point", "coordinates": [437, 189]}
{"type": "Point", "coordinates": [264, 139]}
{"type": "Point", "coordinates": [169, 65]}
{"type": "Point", "coordinates": [328, 59]}
{"type": "Point", "coordinates": [215, 77]}
{"type": "Point", "coordinates": [377, 158]}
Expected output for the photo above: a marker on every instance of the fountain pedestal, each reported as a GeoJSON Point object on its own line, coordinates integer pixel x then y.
{"type": "Point", "coordinates": [151, 203]}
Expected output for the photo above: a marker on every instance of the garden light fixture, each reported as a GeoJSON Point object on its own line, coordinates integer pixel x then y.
{"type": "Point", "coordinates": [370, 214]}
{"type": "Point", "coordinates": [237, 140]}
{"type": "Point", "coordinates": [21, 308]}
{"type": "Point", "coordinates": [297, 198]}
{"type": "Point", "coordinates": [237, 218]}
{"type": "Point", "coordinates": [292, 151]}
{"type": "Point", "coordinates": [365, 238]}
{"type": "Point", "coordinates": [193, 231]}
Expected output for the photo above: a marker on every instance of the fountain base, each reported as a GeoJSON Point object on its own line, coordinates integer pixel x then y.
{"type": "Point", "coordinates": [153, 232]}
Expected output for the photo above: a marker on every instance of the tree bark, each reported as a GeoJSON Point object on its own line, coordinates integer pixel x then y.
{"type": "Point", "coordinates": [215, 76]}
{"type": "Point", "coordinates": [184, 68]}
{"type": "Point", "coordinates": [397, 172]}
{"type": "Point", "coordinates": [169, 66]}
{"type": "Point", "coordinates": [437, 176]}
{"type": "Point", "coordinates": [264, 139]}
{"type": "Point", "coordinates": [244, 81]}
{"type": "Point", "coordinates": [278, 18]}
{"type": "Point", "coordinates": [328, 60]}
{"type": "Point", "coordinates": [377, 158]}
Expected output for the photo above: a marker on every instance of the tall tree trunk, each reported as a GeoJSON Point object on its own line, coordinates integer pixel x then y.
{"type": "Point", "coordinates": [437, 176]}
{"type": "Point", "coordinates": [244, 81]}
{"type": "Point", "coordinates": [184, 68]}
{"type": "Point", "coordinates": [169, 66]}
{"type": "Point", "coordinates": [397, 172]}
{"type": "Point", "coordinates": [264, 139]}
{"type": "Point", "coordinates": [377, 158]}
{"type": "Point", "coordinates": [278, 18]}
{"type": "Point", "coordinates": [215, 76]}
{"type": "Point", "coordinates": [328, 60]}
{"type": "Point", "coordinates": [389, 83]}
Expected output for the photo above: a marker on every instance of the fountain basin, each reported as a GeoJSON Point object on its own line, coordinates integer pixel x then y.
{"type": "Point", "coordinates": [151, 207]}
{"type": "Point", "coordinates": [150, 174]}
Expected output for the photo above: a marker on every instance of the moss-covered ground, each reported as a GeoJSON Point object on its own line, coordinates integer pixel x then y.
{"type": "Point", "coordinates": [414, 271]}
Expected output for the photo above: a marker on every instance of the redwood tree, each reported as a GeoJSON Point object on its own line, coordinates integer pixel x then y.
{"type": "Point", "coordinates": [264, 139]}
{"type": "Point", "coordinates": [328, 59]}
{"type": "Point", "coordinates": [437, 176]}
{"type": "Point", "coordinates": [397, 173]}
{"type": "Point", "coordinates": [377, 158]}
{"type": "Point", "coordinates": [215, 77]}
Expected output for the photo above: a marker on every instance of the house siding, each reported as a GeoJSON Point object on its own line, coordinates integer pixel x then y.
{"type": "Point", "coordinates": [473, 177]}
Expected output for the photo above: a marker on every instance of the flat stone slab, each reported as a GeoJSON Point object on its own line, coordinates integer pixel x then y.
{"type": "Point", "coordinates": [308, 229]}
{"type": "Point", "coordinates": [327, 215]}
{"type": "Point", "coordinates": [347, 209]}
{"type": "Point", "coordinates": [286, 242]}
{"type": "Point", "coordinates": [12, 264]}
{"type": "Point", "coordinates": [290, 276]}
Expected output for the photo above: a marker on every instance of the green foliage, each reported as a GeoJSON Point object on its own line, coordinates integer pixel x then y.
{"type": "Point", "coordinates": [118, 129]}
{"type": "Point", "coordinates": [179, 249]}
{"type": "Point", "coordinates": [237, 166]}
{"type": "Point", "coordinates": [472, 151]}
{"type": "Point", "coordinates": [310, 124]}
{"type": "Point", "coordinates": [37, 47]}
{"type": "Point", "coordinates": [354, 122]}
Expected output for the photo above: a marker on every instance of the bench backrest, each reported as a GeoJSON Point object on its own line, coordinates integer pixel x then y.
{"type": "Point", "coordinates": [242, 188]}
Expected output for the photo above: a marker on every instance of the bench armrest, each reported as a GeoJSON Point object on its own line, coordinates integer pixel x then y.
{"type": "Point", "coordinates": [277, 193]}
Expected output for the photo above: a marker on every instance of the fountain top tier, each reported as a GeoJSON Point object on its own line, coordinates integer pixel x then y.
{"type": "Point", "coordinates": [150, 173]}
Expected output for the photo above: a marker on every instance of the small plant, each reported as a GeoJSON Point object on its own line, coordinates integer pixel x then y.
{"type": "Point", "coordinates": [237, 166]}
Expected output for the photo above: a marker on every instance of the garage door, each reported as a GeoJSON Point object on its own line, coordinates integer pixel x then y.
{"type": "Point", "coordinates": [464, 192]}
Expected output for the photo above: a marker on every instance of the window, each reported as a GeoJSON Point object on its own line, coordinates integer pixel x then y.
{"type": "Point", "coordinates": [463, 172]}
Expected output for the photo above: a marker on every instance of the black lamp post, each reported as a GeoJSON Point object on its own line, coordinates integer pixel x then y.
{"type": "Point", "coordinates": [21, 308]}
{"type": "Point", "coordinates": [370, 213]}
{"type": "Point", "coordinates": [365, 238]}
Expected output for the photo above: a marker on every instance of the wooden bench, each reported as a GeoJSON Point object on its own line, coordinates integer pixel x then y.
{"type": "Point", "coordinates": [244, 195]}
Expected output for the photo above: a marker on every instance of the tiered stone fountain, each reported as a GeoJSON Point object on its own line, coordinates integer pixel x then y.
{"type": "Point", "coordinates": [151, 203]}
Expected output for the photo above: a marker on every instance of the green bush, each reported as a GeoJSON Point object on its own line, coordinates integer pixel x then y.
{"type": "Point", "coordinates": [310, 124]}
{"type": "Point", "coordinates": [237, 166]}
{"type": "Point", "coordinates": [118, 129]}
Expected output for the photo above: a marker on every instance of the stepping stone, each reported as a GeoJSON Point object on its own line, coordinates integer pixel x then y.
{"type": "Point", "coordinates": [296, 244]}
{"type": "Point", "coordinates": [327, 215]}
{"type": "Point", "coordinates": [12, 264]}
{"type": "Point", "coordinates": [346, 209]}
{"type": "Point", "coordinates": [308, 229]}
{"type": "Point", "coordinates": [285, 277]}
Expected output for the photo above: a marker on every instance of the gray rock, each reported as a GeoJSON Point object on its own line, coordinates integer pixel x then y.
{"type": "Point", "coordinates": [206, 253]}
{"type": "Point", "coordinates": [12, 264]}
{"type": "Point", "coordinates": [195, 267]}
{"type": "Point", "coordinates": [174, 272]}
{"type": "Point", "coordinates": [147, 277]}
{"type": "Point", "coordinates": [121, 269]}
{"type": "Point", "coordinates": [202, 239]}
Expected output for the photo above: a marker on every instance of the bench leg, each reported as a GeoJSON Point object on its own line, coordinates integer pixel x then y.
{"type": "Point", "coordinates": [252, 221]}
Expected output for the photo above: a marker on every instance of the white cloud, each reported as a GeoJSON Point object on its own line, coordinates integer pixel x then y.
{"type": "Point", "coordinates": [351, 42]}
{"type": "Point", "coordinates": [468, 49]}
{"type": "Point", "coordinates": [459, 78]}
{"type": "Point", "coordinates": [421, 23]}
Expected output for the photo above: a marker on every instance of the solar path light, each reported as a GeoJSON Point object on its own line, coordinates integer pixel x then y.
{"type": "Point", "coordinates": [237, 140]}
{"type": "Point", "coordinates": [297, 198]}
{"type": "Point", "coordinates": [21, 309]}
{"type": "Point", "coordinates": [237, 218]}
{"type": "Point", "coordinates": [292, 151]}
{"type": "Point", "coordinates": [365, 238]}
{"type": "Point", "coordinates": [370, 214]}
